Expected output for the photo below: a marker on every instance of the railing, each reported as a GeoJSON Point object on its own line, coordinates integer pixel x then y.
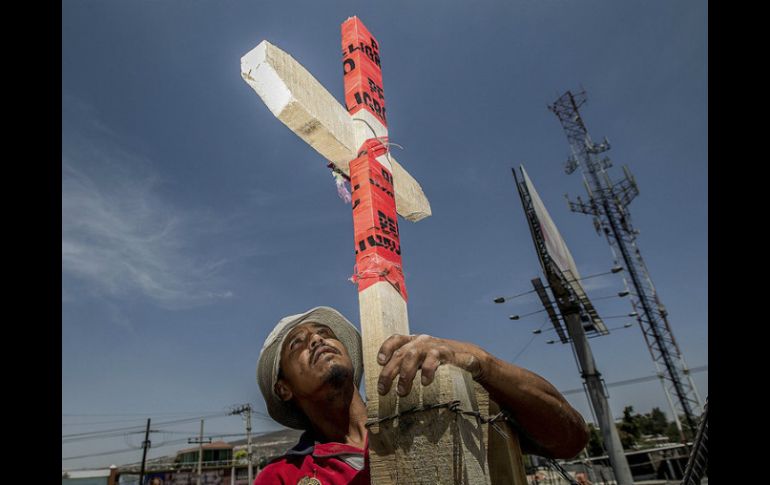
{"type": "Point", "coordinates": [192, 466]}
{"type": "Point", "coordinates": [653, 465]}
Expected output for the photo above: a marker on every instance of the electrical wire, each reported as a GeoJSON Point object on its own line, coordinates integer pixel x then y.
{"type": "Point", "coordinates": [114, 432]}
{"type": "Point", "coordinates": [545, 322]}
{"type": "Point", "coordinates": [180, 413]}
{"type": "Point", "coordinates": [635, 380]}
{"type": "Point", "coordinates": [125, 432]}
{"type": "Point", "coordinates": [167, 444]}
{"type": "Point", "coordinates": [125, 450]}
{"type": "Point", "coordinates": [548, 286]}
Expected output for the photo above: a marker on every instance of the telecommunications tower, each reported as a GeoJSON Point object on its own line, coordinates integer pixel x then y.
{"type": "Point", "coordinates": [608, 204]}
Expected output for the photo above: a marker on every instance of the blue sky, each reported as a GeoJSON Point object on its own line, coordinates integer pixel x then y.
{"type": "Point", "coordinates": [193, 220]}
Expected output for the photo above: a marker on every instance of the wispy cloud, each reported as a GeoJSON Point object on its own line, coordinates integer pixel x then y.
{"type": "Point", "coordinates": [602, 283]}
{"type": "Point", "coordinates": [119, 236]}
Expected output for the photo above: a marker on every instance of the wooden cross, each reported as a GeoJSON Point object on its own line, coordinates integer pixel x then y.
{"type": "Point", "coordinates": [432, 446]}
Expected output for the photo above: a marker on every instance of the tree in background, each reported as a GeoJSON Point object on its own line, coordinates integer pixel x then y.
{"type": "Point", "coordinates": [673, 432]}
{"type": "Point", "coordinates": [595, 446]}
{"type": "Point", "coordinates": [240, 454]}
{"type": "Point", "coordinates": [633, 426]}
{"type": "Point", "coordinates": [629, 428]}
{"type": "Point", "coordinates": [654, 423]}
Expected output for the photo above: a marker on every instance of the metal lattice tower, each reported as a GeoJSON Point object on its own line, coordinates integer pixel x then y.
{"type": "Point", "coordinates": [698, 464]}
{"type": "Point", "coordinates": [607, 203]}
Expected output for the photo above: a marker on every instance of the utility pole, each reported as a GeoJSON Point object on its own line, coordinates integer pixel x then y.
{"type": "Point", "coordinates": [596, 391]}
{"type": "Point", "coordinates": [145, 445]}
{"type": "Point", "coordinates": [246, 408]}
{"type": "Point", "coordinates": [575, 308]}
{"type": "Point", "coordinates": [200, 442]}
{"type": "Point", "coordinates": [248, 443]}
{"type": "Point", "coordinates": [200, 453]}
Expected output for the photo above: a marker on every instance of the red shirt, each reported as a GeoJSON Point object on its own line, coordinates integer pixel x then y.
{"type": "Point", "coordinates": [329, 463]}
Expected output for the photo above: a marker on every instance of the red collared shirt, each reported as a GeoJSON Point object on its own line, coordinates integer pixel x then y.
{"type": "Point", "coordinates": [329, 463]}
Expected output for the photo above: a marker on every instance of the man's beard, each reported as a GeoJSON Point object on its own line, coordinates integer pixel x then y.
{"type": "Point", "coordinates": [338, 376]}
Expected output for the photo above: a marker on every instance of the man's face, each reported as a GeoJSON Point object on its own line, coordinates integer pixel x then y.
{"type": "Point", "coordinates": [312, 358]}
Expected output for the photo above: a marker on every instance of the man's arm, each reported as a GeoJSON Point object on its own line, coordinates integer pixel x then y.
{"type": "Point", "coordinates": [554, 428]}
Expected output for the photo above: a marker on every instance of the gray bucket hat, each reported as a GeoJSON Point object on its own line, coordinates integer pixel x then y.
{"type": "Point", "coordinates": [270, 357]}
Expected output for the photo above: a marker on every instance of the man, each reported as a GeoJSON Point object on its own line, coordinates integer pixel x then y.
{"type": "Point", "coordinates": [309, 370]}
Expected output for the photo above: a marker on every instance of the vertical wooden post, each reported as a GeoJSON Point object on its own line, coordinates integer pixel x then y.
{"type": "Point", "coordinates": [430, 447]}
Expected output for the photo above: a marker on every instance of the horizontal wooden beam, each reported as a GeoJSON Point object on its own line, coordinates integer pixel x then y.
{"type": "Point", "coordinates": [296, 98]}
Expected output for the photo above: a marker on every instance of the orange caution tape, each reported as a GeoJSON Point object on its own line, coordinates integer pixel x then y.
{"type": "Point", "coordinates": [375, 222]}
{"type": "Point", "coordinates": [376, 146]}
{"type": "Point", "coordinates": [362, 70]}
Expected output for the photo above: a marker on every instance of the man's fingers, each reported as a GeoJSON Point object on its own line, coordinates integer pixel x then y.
{"type": "Point", "coordinates": [389, 372]}
{"type": "Point", "coordinates": [390, 345]}
{"type": "Point", "coordinates": [408, 368]}
{"type": "Point", "coordinates": [430, 364]}
{"type": "Point", "coordinates": [403, 356]}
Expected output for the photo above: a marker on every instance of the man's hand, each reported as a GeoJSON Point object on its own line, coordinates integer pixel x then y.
{"type": "Point", "coordinates": [551, 426]}
{"type": "Point", "coordinates": [404, 355]}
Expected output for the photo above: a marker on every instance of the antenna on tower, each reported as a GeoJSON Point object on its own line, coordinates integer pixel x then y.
{"type": "Point", "coordinates": [608, 204]}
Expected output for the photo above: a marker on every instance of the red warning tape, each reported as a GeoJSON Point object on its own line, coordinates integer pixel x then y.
{"type": "Point", "coordinates": [362, 70]}
{"type": "Point", "coordinates": [375, 221]}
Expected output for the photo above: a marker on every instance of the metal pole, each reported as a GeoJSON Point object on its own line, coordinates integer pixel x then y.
{"type": "Point", "coordinates": [671, 404]}
{"type": "Point", "coordinates": [598, 400]}
{"type": "Point", "coordinates": [145, 445]}
{"type": "Point", "coordinates": [248, 439]}
{"type": "Point", "coordinates": [670, 468]}
{"type": "Point", "coordinates": [200, 454]}
{"type": "Point", "coordinates": [589, 467]}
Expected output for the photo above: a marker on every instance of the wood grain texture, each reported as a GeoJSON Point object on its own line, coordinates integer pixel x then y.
{"type": "Point", "coordinates": [504, 457]}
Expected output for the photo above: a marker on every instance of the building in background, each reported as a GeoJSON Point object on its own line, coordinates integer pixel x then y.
{"type": "Point", "coordinates": [106, 476]}
{"type": "Point", "coordinates": [224, 463]}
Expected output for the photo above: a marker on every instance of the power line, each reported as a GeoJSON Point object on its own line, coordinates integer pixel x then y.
{"type": "Point", "coordinates": [635, 380]}
{"type": "Point", "coordinates": [111, 433]}
{"type": "Point", "coordinates": [545, 322]}
{"type": "Point", "coordinates": [104, 453]}
{"type": "Point", "coordinates": [257, 415]}
{"type": "Point", "coordinates": [502, 299]}
{"type": "Point", "coordinates": [165, 445]}
{"type": "Point", "coordinates": [125, 450]}
{"type": "Point", "coordinates": [97, 423]}
{"type": "Point", "coordinates": [177, 421]}
{"type": "Point", "coordinates": [180, 413]}
{"type": "Point", "coordinates": [103, 436]}
{"type": "Point", "coordinates": [114, 430]}
{"type": "Point", "coordinates": [213, 435]}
